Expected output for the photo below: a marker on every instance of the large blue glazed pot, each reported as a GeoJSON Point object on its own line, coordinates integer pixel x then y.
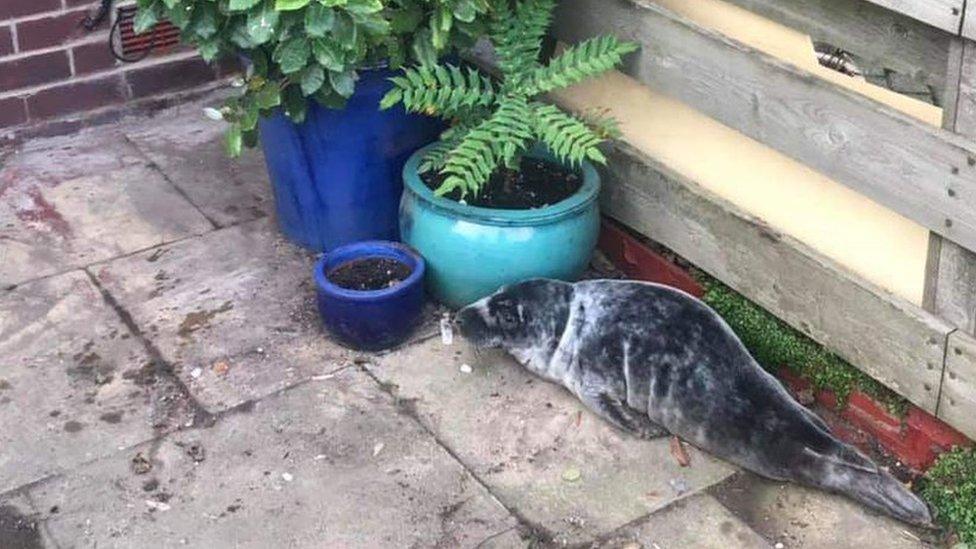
{"type": "Point", "coordinates": [371, 320]}
{"type": "Point", "coordinates": [336, 177]}
{"type": "Point", "coordinates": [471, 251]}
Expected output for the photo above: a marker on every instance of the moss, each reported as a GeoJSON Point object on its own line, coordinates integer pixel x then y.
{"type": "Point", "coordinates": [775, 345]}
{"type": "Point", "coordinates": [950, 488]}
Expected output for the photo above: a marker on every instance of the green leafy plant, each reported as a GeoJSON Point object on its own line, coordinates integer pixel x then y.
{"type": "Point", "coordinates": [311, 49]}
{"type": "Point", "coordinates": [950, 488]}
{"type": "Point", "coordinates": [776, 345]}
{"type": "Point", "coordinates": [496, 121]}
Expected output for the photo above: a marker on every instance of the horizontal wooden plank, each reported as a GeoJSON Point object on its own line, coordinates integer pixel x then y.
{"type": "Point", "coordinates": [891, 339]}
{"type": "Point", "coordinates": [880, 37]}
{"type": "Point", "coordinates": [942, 14]}
{"type": "Point", "coordinates": [891, 158]}
{"type": "Point", "coordinates": [958, 402]}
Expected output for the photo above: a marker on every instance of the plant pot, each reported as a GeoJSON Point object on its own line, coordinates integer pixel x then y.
{"type": "Point", "coordinates": [371, 320]}
{"type": "Point", "coordinates": [472, 251]}
{"type": "Point", "coordinates": [336, 177]}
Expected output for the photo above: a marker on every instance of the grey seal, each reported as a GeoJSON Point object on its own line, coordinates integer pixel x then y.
{"type": "Point", "coordinates": [653, 361]}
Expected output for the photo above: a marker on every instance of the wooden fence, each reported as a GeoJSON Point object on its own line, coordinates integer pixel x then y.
{"type": "Point", "coordinates": [927, 174]}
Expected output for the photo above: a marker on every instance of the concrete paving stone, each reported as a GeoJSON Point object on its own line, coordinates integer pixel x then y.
{"type": "Point", "coordinates": [327, 464]}
{"type": "Point", "coordinates": [522, 436]}
{"type": "Point", "coordinates": [233, 311]}
{"type": "Point", "coordinates": [800, 517]}
{"type": "Point", "coordinates": [189, 149]}
{"type": "Point", "coordinates": [52, 225]}
{"type": "Point", "coordinates": [21, 527]}
{"type": "Point", "coordinates": [699, 521]}
{"type": "Point", "coordinates": [69, 389]}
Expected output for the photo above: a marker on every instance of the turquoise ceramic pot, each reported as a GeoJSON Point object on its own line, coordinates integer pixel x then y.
{"type": "Point", "coordinates": [471, 252]}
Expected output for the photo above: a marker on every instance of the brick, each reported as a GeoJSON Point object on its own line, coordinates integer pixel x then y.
{"type": "Point", "coordinates": [92, 57]}
{"type": "Point", "coordinates": [75, 97]}
{"type": "Point", "coordinates": [6, 40]}
{"type": "Point", "coordinates": [168, 77]}
{"type": "Point", "coordinates": [641, 262]}
{"type": "Point", "coordinates": [48, 32]}
{"type": "Point", "coordinates": [13, 111]}
{"type": "Point", "coordinates": [34, 70]}
{"type": "Point", "coordinates": [20, 8]}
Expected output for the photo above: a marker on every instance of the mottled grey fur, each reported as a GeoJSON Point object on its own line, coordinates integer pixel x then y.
{"type": "Point", "coordinates": [653, 360]}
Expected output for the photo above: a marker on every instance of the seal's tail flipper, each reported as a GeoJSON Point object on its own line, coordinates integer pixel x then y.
{"type": "Point", "coordinates": [852, 474]}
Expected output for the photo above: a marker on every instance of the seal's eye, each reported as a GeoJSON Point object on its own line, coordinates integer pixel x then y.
{"type": "Point", "coordinates": [506, 313]}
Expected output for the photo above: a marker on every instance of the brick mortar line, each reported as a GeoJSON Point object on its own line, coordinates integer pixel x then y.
{"type": "Point", "coordinates": [13, 21]}
{"type": "Point", "coordinates": [412, 414]}
{"type": "Point", "coordinates": [122, 69]}
{"type": "Point", "coordinates": [84, 40]}
{"type": "Point", "coordinates": [153, 166]}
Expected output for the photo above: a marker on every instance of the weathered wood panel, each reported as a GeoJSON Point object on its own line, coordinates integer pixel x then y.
{"type": "Point", "coordinates": [879, 36]}
{"type": "Point", "coordinates": [942, 14]}
{"type": "Point", "coordinates": [969, 21]}
{"type": "Point", "coordinates": [951, 272]}
{"type": "Point", "coordinates": [958, 405]}
{"type": "Point", "coordinates": [877, 151]}
{"type": "Point", "coordinates": [891, 339]}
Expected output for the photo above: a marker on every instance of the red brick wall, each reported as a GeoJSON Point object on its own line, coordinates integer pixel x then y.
{"type": "Point", "coordinates": [54, 72]}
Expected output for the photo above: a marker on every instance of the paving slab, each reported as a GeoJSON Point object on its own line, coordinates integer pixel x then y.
{"type": "Point", "coordinates": [63, 210]}
{"type": "Point", "coordinates": [233, 312]}
{"type": "Point", "coordinates": [327, 464]}
{"type": "Point", "coordinates": [699, 521]}
{"type": "Point", "coordinates": [800, 517]}
{"type": "Point", "coordinates": [189, 149]}
{"type": "Point", "coordinates": [20, 526]}
{"type": "Point", "coordinates": [68, 393]}
{"type": "Point", "coordinates": [522, 436]}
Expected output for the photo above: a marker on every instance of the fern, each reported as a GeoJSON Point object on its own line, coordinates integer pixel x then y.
{"type": "Point", "coordinates": [495, 123]}
{"type": "Point", "coordinates": [567, 137]}
{"type": "Point", "coordinates": [578, 63]}
{"type": "Point", "coordinates": [517, 37]}
{"type": "Point", "coordinates": [440, 90]}
{"type": "Point", "coordinates": [497, 141]}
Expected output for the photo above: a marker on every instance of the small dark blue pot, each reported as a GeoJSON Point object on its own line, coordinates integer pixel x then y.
{"type": "Point", "coordinates": [371, 320]}
{"type": "Point", "coordinates": [336, 177]}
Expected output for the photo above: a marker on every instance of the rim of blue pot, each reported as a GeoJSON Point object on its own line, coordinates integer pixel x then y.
{"type": "Point", "coordinates": [587, 194]}
{"type": "Point", "coordinates": [363, 250]}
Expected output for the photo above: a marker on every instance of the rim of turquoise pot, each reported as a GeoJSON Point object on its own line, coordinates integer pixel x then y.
{"type": "Point", "coordinates": [579, 201]}
{"type": "Point", "coordinates": [363, 250]}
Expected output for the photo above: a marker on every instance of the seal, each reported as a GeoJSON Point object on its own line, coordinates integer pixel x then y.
{"type": "Point", "coordinates": [653, 360]}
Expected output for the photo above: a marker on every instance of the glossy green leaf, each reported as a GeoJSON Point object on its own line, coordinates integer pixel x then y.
{"type": "Point", "coordinates": [319, 20]}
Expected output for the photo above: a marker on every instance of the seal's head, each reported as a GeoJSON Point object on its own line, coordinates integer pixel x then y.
{"type": "Point", "coordinates": [530, 314]}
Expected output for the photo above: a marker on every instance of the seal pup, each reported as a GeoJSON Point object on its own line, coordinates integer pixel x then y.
{"type": "Point", "coordinates": [653, 360]}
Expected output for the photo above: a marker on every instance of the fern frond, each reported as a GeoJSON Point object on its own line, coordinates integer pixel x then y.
{"type": "Point", "coordinates": [567, 137]}
{"type": "Point", "coordinates": [436, 155]}
{"type": "Point", "coordinates": [602, 124]}
{"type": "Point", "coordinates": [584, 60]}
{"type": "Point", "coordinates": [517, 36]}
{"type": "Point", "coordinates": [440, 90]}
{"type": "Point", "coordinates": [495, 142]}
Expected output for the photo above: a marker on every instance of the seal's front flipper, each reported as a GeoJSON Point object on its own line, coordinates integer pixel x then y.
{"type": "Point", "coordinates": [624, 417]}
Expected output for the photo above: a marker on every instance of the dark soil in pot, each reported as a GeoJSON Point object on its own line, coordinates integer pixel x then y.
{"type": "Point", "coordinates": [539, 183]}
{"type": "Point", "coordinates": [371, 273]}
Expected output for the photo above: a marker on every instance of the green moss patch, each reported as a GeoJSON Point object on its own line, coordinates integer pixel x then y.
{"type": "Point", "coordinates": [775, 344]}
{"type": "Point", "coordinates": [950, 488]}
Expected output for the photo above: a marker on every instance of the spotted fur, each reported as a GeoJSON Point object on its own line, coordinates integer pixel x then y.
{"type": "Point", "coordinates": [653, 360]}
